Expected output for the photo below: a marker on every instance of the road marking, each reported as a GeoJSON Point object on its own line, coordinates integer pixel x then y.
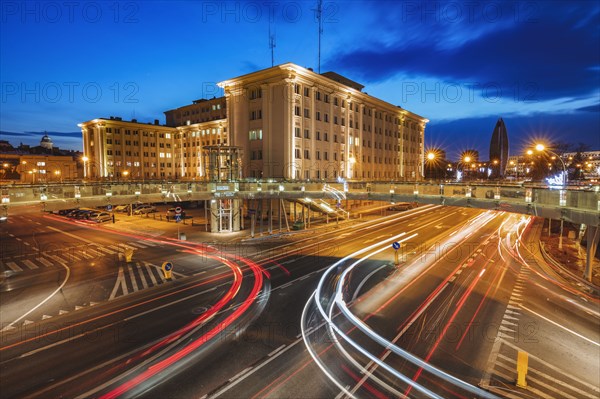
{"type": "Point", "coordinates": [564, 328]}
{"type": "Point", "coordinates": [241, 373]}
{"type": "Point", "coordinates": [45, 262]}
{"type": "Point", "coordinates": [105, 250]}
{"type": "Point", "coordinates": [13, 266]}
{"type": "Point", "coordinates": [141, 274]}
{"type": "Point", "coordinates": [152, 278]}
{"type": "Point", "coordinates": [62, 312]}
{"type": "Point", "coordinates": [276, 350]}
{"type": "Point", "coordinates": [45, 300]}
{"type": "Point", "coordinates": [136, 244]}
{"type": "Point", "coordinates": [71, 235]}
{"type": "Point", "coordinates": [119, 283]}
{"type": "Point", "coordinates": [29, 264]}
{"type": "Point", "coordinates": [132, 276]}
{"type": "Point", "coordinates": [26, 243]}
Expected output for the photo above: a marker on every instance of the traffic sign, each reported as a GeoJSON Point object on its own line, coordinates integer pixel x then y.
{"type": "Point", "coordinates": [167, 268]}
{"type": "Point", "coordinates": [396, 245]}
{"type": "Point", "coordinates": [109, 207]}
{"type": "Point", "coordinates": [177, 218]}
{"type": "Point", "coordinates": [178, 210]}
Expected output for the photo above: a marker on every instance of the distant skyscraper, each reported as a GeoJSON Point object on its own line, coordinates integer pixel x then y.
{"type": "Point", "coordinates": [499, 149]}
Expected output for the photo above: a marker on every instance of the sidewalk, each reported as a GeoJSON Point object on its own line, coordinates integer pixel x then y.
{"type": "Point", "coordinates": [572, 256]}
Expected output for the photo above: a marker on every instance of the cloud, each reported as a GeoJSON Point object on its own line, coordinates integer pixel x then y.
{"type": "Point", "coordinates": [553, 55]}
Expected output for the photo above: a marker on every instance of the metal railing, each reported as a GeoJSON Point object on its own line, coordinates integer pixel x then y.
{"type": "Point", "coordinates": [517, 198]}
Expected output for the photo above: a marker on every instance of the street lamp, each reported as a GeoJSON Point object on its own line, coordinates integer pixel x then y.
{"type": "Point", "coordinates": [541, 148]}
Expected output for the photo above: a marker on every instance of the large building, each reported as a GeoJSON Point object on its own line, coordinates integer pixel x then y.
{"type": "Point", "coordinates": [288, 121]}
{"type": "Point", "coordinates": [499, 149]}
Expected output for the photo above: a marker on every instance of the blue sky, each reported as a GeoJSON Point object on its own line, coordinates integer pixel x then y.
{"type": "Point", "coordinates": [462, 65]}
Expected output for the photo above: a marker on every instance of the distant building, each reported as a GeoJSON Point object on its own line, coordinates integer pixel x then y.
{"type": "Point", "coordinates": [499, 150]}
{"type": "Point", "coordinates": [36, 165]}
{"type": "Point", "coordinates": [46, 142]}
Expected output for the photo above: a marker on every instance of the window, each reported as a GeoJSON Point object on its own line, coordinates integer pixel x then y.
{"type": "Point", "coordinates": [327, 98]}
{"type": "Point", "coordinates": [326, 156]}
{"type": "Point", "coordinates": [326, 136]}
{"type": "Point", "coordinates": [296, 88]}
{"type": "Point", "coordinates": [335, 120]}
{"type": "Point", "coordinates": [306, 154]}
{"type": "Point", "coordinates": [306, 134]}
{"type": "Point", "coordinates": [306, 92]}
{"type": "Point", "coordinates": [298, 154]}
{"type": "Point", "coordinates": [318, 135]}
{"type": "Point", "coordinates": [161, 155]}
{"type": "Point", "coordinates": [297, 110]}
{"type": "Point", "coordinates": [167, 135]}
{"type": "Point", "coordinates": [254, 94]}
{"type": "Point", "coordinates": [255, 134]}
{"type": "Point", "coordinates": [335, 101]}
{"type": "Point", "coordinates": [297, 132]}
{"type": "Point", "coordinates": [318, 155]}
{"type": "Point", "coordinates": [318, 95]}
{"type": "Point", "coordinates": [306, 113]}
{"type": "Point", "coordinates": [318, 116]}
{"type": "Point", "coordinates": [326, 117]}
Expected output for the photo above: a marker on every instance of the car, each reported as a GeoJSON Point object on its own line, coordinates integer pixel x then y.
{"type": "Point", "coordinates": [121, 208]}
{"type": "Point", "coordinates": [144, 209]}
{"type": "Point", "coordinates": [83, 213]}
{"type": "Point", "coordinates": [100, 217]}
{"type": "Point", "coordinates": [171, 214]}
{"type": "Point", "coordinates": [65, 212]}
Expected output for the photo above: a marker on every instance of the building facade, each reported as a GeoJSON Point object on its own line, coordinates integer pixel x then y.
{"type": "Point", "coordinates": [288, 121]}
{"type": "Point", "coordinates": [499, 149]}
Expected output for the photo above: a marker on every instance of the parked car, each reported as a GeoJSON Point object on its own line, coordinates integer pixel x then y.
{"type": "Point", "coordinates": [100, 217]}
{"type": "Point", "coordinates": [144, 209]}
{"type": "Point", "coordinates": [121, 208]}
{"type": "Point", "coordinates": [171, 214]}
{"type": "Point", "coordinates": [65, 212]}
{"type": "Point", "coordinates": [83, 213]}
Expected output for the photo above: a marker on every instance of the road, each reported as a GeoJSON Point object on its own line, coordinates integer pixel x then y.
{"type": "Point", "coordinates": [454, 257]}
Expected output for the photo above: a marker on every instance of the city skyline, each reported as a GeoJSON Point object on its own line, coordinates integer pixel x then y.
{"type": "Point", "coordinates": [460, 65]}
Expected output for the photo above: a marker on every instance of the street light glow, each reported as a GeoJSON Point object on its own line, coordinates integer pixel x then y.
{"type": "Point", "coordinates": [540, 147]}
{"type": "Point", "coordinates": [431, 156]}
{"type": "Point", "coordinates": [467, 159]}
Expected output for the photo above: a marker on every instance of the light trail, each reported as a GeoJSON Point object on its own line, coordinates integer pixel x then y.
{"type": "Point", "coordinates": [358, 323]}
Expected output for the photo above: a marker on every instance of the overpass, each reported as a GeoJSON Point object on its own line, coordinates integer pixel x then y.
{"type": "Point", "coordinates": [573, 205]}
{"type": "Point", "coordinates": [227, 198]}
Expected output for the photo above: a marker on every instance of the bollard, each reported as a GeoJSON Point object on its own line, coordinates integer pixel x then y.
{"type": "Point", "coordinates": [128, 254]}
{"type": "Point", "coordinates": [522, 364]}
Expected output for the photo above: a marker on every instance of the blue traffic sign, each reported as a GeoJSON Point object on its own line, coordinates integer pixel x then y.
{"type": "Point", "coordinates": [396, 245]}
{"type": "Point", "coordinates": [109, 207]}
{"type": "Point", "coordinates": [177, 218]}
{"type": "Point", "coordinates": [168, 266]}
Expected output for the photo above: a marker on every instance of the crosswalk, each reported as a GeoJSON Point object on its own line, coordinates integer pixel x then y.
{"type": "Point", "coordinates": [136, 276]}
{"type": "Point", "coordinates": [544, 380]}
{"type": "Point", "coordinates": [37, 260]}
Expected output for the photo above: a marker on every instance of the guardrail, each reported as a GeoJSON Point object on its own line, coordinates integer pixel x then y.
{"type": "Point", "coordinates": [581, 206]}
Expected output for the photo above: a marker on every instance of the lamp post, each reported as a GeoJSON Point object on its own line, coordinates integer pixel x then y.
{"type": "Point", "coordinates": [542, 148]}
{"type": "Point", "coordinates": [467, 161]}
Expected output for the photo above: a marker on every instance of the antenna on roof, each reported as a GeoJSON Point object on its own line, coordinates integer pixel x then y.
{"type": "Point", "coordinates": [272, 37]}
{"type": "Point", "coordinates": [319, 15]}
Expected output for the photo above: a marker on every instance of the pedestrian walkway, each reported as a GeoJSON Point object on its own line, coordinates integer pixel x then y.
{"type": "Point", "coordinates": [135, 276]}
{"type": "Point", "coordinates": [38, 261]}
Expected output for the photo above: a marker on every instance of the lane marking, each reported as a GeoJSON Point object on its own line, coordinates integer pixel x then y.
{"type": "Point", "coordinates": [45, 300]}
{"type": "Point", "coordinates": [561, 326]}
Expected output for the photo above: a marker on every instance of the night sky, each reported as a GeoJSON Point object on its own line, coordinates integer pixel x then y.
{"type": "Point", "coordinates": [462, 65]}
